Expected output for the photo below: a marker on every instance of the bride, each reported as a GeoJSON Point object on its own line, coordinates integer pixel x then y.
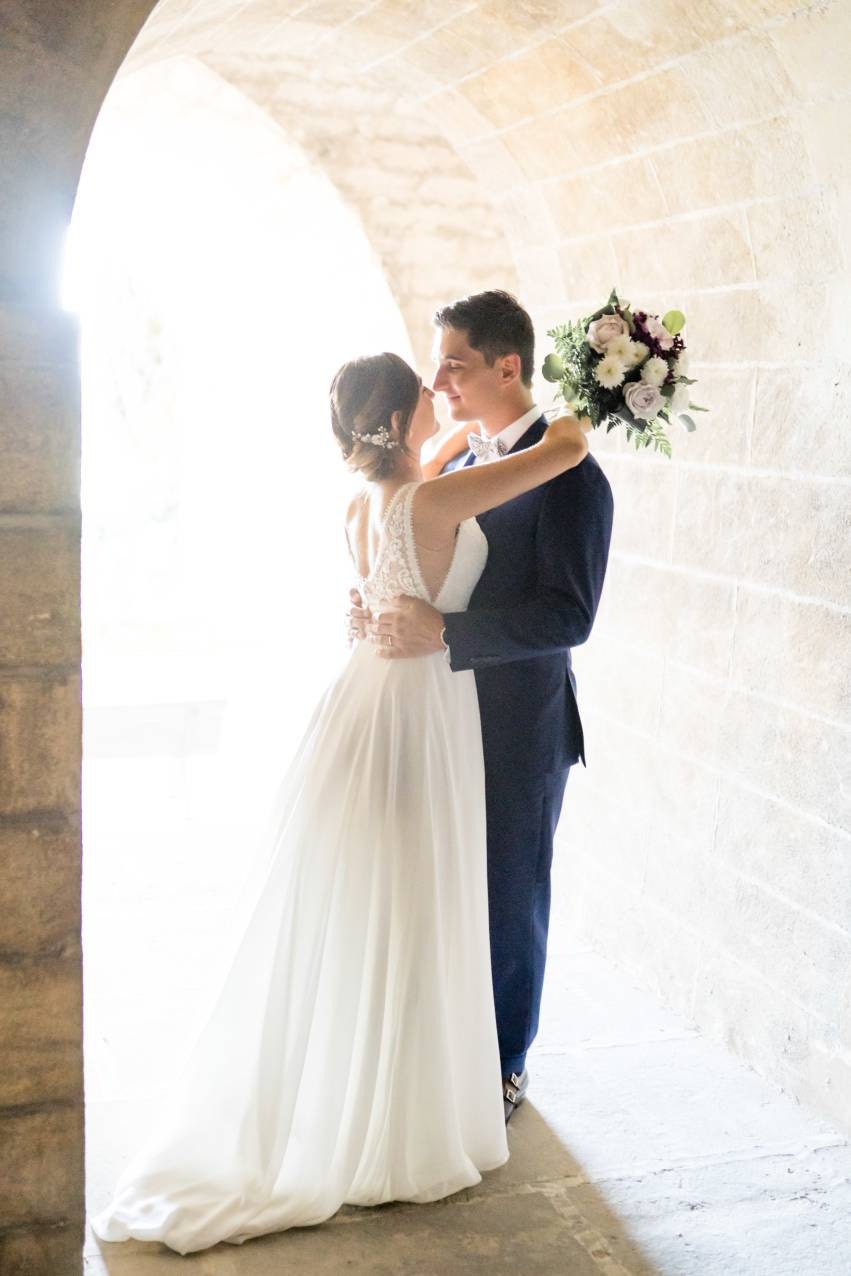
{"type": "Point", "coordinates": [351, 1055]}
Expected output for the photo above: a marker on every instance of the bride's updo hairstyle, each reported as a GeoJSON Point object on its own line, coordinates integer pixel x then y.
{"type": "Point", "coordinates": [364, 395]}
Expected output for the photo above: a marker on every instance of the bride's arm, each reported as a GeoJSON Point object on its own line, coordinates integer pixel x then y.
{"type": "Point", "coordinates": [444, 502]}
{"type": "Point", "coordinates": [452, 444]}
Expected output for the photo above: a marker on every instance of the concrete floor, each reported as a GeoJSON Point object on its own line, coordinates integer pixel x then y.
{"type": "Point", "coordinates": [643, 1148]}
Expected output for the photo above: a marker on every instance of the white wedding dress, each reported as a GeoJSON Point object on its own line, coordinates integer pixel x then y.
{"type": "Point", "coordinates": [351, 1056]}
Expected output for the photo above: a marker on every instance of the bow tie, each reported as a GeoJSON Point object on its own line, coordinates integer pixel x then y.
{"type": "Point", "coordinates": [486, 449]}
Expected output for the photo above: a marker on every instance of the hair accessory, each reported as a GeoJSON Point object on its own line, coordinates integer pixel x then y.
{"type": "Point", "coordinates": [381, 438]}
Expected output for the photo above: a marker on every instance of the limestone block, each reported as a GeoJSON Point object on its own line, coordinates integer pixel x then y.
{"type": "Point", "coordinates": [780, 751]}
{"type": "Point", "coordinates": [813, 50]}
{"type": "Point", "coordinates": [737, 1006]}
{"type": "Point", "coordinates": [724, 433]}
{"type": "Point", "coordinates": [40, 588]}
{"type": "Point", "coordinates": [644, 493]}
{"type": "Point", "coordinates": [40, 871]}
{"type": "Point", "coordinates": [452, 52]}
{"type": "Point", "coordinates": [39, 439]}
{"type": "Point", "coordinates": [524, 217]}
{"type": "Point", "coordinates": [36, 337]}
{"type": "Point", "coordinates": [752, 324]}
{"type": "Point", "coordinates": [702, 252]}
{"type": "Point", "coordinates": [615, 686]}
{"type": "Point", "coordinates": [603, 198]}
{"type": "Point", "coordinates": [784, 753]}
{"type": "Point", "coordinates": [47, 105]}
{"type": "Point", "coordinates": [768, 158]}
{"type": "Point", "coordinates": [601, 129]}
{"type": "Point", "coordinates": [42, 1165]}
{"type": "Point", "coordinates": [797, 417]}
{"type": "Point", "coordinates": [538, 274]}
{"type": "Point", "coordinates": [534, 17]}
{"type": "Point", "coordinates": [795, 953]}
{"type": "Point", "coordinates": [824, 148]}
{"type": "Point", "coordinates": [796, 238]}
{"type": "Point", "coordinates": [693, 710]}
{"type": "Point", "coordinates": [543, 148]}
{"type": "Point", "coordinates": [597, 827]}
{"type": "Point", "coordinates": [544, 78]}
{"type": "Point", "coordinates": [789, 533]}
{"type": "Point", "coordinates": [680, 878]}
{"type": "Point", "coordinates": [681, 615]}
{"type": "Point", "coordinates": [795, 854]}
{"type": "Point", "coordinates": [632, 930]}
{"type": "Point", "coordinates": [382, 29]}
{"type": "Point", "coordinates": [588, 270]}
{"type": "Point", "coordinates": [40, 1031]}
{"type": "Point", "coordinates": [458, 120]}
{"type": "Point", "coordinates": [742, 80]}
{"type": "Point", "coordinates": [794, 651]}
{"type": "Point", "coordinates": [45, 1250]}
{"type": "Point", "coordinates": [40, 743]}
{"type": "Point", "coordinates": [635, 37]}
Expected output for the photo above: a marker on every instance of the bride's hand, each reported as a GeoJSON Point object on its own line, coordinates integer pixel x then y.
{"type": "Point", "coordinates": [568, 436]}
{"type": "Point", "coordinates": [358, 618]}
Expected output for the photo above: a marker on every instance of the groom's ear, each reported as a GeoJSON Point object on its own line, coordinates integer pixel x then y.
{"type": "Point", "coordinates": [510, 368]}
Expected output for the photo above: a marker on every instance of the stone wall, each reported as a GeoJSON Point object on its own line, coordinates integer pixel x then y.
{"type": "Point", "coordinates": [693, 154]}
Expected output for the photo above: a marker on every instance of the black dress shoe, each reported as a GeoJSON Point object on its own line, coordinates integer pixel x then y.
{"type": "Point", "coordinates": [514, 1092]}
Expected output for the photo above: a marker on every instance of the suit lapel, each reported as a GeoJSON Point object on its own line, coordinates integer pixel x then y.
{"type": "Point", "coordinates": [531, 436]}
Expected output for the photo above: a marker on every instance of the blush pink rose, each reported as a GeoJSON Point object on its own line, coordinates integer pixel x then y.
{"type": "Point", "coordinates": [642, 399]}
{"type": "Point", "coordinates": [658, 332]}
{"type": "Point", "coordinates": [604, 330]}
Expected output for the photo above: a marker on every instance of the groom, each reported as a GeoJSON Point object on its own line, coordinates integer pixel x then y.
{"type": "Point", "coordinates": [536, 599]}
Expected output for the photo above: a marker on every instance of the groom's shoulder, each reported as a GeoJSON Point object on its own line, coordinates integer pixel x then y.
{"type": "Point", "coordinates": [583, 491]}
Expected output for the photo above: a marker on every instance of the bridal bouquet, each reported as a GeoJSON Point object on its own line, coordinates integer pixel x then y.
{"type": "Point", "coordinates": [625, 367]}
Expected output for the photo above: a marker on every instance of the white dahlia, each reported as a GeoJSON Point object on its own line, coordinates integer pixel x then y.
{"type": "Point", "coordinates": [681, 364]}
{"type": "Point", "coordinates": [610, 372]}
{"type": "Point", "coordinates": [620, 347]}
{"type": "Point", "coordinates": [638, 352]}
{"type": "Point", "coordinates": [654, 371]}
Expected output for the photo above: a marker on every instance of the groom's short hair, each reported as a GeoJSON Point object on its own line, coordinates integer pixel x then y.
{"type": "Point", "coordinates": [495, 324]}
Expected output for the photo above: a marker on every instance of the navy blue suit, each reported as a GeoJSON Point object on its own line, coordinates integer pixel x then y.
{"type": "Point", "coordinates": [536, 598]}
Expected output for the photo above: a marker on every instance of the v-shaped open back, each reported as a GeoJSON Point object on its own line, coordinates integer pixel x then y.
{"type": "Point", "coordinates": [397, 570]}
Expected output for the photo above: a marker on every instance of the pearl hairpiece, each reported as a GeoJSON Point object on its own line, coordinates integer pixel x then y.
{"type": "Point", "coordinates": [381, 438]}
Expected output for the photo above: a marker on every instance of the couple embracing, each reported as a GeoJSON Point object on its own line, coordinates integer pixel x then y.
{"type": "Point", "coordinates": [369, 1040]}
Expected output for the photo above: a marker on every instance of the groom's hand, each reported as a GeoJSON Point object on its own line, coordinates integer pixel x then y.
{"type": "Point", "coordinates": [412, 628]}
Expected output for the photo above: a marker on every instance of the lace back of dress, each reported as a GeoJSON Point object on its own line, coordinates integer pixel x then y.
{"type": "Point", "coordinates": [396, 570]}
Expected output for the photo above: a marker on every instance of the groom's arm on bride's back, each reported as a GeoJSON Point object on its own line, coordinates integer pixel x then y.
{"type": "Point", "coordinates": [571, 549]}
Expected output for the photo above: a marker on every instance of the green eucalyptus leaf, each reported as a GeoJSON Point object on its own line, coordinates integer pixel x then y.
{"type": "Point", "coordinates": [667, 389]}
{"type": "Point", "coordinates": [553, 369]}
{"type": "Point", "coordinates": [693, 407]}
{"type": "Point", "coordinates": [674, 321]}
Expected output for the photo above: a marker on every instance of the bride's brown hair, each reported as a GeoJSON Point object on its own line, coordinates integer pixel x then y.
{"type": "Point", "coordinates": [364, 395]}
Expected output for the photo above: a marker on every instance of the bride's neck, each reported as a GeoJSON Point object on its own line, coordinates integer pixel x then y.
{"type": "Point", "coordinates": [407, 470]}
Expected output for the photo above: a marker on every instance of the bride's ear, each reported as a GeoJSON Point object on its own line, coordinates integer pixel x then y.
{"type": "Point", "coordinates": [396, 422]}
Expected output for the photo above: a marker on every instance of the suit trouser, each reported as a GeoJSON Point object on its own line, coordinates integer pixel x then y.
{"type": "Point", "coordinates": [522, 817]}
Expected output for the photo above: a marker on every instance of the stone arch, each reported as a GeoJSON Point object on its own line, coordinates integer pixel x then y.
{"type": "Point", "coordinates": [692, 154]}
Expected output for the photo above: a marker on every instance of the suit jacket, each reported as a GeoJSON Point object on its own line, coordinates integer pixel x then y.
{"type": "Point", "coordinates": [535, 600]}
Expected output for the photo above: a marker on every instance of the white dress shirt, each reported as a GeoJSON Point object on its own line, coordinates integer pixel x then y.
{"type": "Point", "coordinates": [512, 433]}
